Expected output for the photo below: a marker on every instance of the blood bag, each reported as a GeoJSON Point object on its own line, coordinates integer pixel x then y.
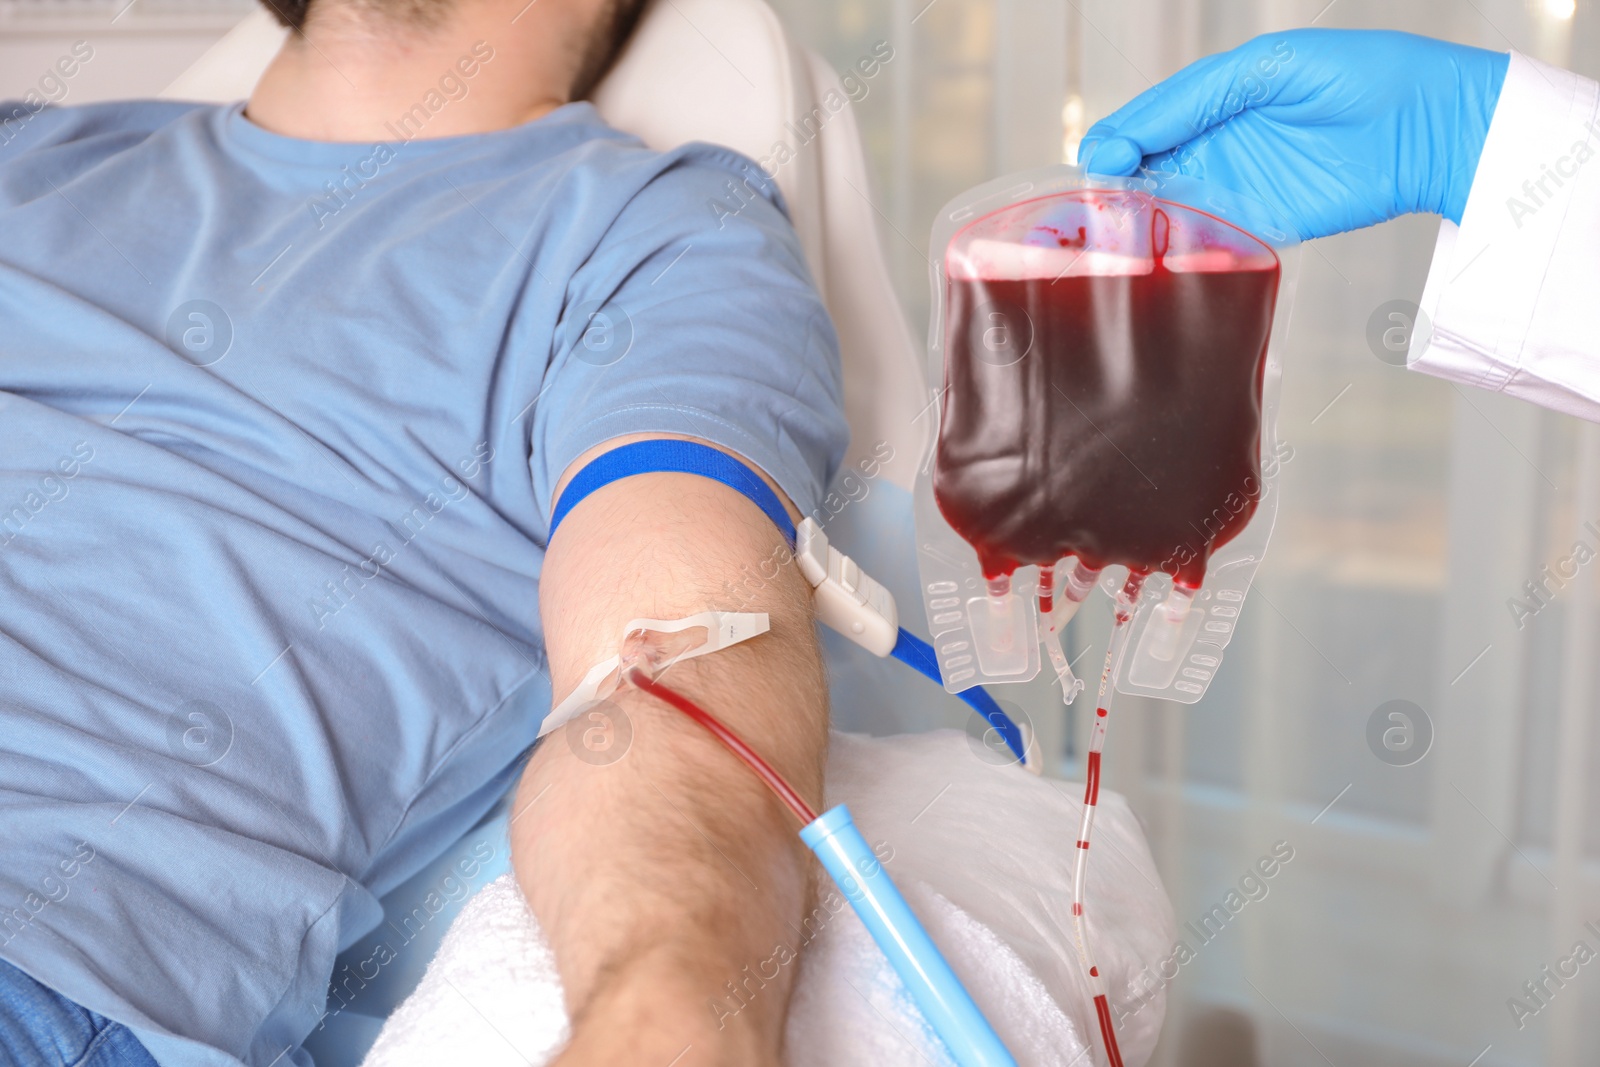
{"type": "Point", "coordinates": [1103, 367]}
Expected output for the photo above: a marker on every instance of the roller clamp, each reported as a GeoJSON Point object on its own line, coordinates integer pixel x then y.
{"type": "Point", "coordinates": [848, 599]}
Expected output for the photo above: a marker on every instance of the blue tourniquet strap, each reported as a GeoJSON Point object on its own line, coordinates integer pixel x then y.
{"type": "Point", "coordinates": [674, 457]}
{"type": "Point", "coordinates": [918, 654]}
{"type": "Point", "coordinates": [692, 457]}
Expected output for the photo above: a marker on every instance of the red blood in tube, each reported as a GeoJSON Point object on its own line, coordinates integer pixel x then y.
{"type": "Point", "coordinates": [1112, 417]}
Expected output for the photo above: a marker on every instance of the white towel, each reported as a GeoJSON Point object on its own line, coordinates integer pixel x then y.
{"type": "Point", "coordinates": [984, 855]}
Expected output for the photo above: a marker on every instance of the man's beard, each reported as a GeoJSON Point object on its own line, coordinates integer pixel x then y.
{"type": "Point", "coordinates": [605, 39]}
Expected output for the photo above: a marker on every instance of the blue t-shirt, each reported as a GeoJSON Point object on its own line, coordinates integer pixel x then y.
{"type": "Point", "coordinates": [282, 423]}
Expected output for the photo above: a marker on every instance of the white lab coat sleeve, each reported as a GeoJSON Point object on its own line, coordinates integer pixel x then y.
{"type": "Point", "coordinates": [1513, 294]}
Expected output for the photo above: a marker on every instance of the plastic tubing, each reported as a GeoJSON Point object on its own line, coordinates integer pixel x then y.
{"type": "Point", "coordinates": [979, 700]}
{"type": "Point", "coordinates": [917, 654]}
{"type": "Point", "coordinates": [1127, 601]}
{"type": "Point", "coordinates": [1055, 615]}
{"type": "Point", "coordinates": [938, 993]}
{"type": "Point", "coordinates": [856, 870]}
{"type": "Point", "coordinates": [732, 741]}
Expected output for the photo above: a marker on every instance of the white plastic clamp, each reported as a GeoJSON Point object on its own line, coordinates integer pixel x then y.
{"type": "Point", "coordinates": [848, 600]}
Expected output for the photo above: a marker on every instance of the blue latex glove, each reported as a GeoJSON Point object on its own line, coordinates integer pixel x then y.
{"type": "Point", "coordinates": [1334, 129]}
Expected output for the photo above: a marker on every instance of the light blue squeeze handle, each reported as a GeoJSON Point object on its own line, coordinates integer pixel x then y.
{"type": "Point", "coordinates": [944, 1001]}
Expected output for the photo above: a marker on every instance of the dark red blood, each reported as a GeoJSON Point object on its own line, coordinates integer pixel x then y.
{"type": "Point", "coordinates": [1128, 433]}
{"type": "Point", "coordinates": [1108, 1030]}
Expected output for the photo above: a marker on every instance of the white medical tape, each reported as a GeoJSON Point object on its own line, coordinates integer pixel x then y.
{"type": "Point", "coordinates": [723, 628]}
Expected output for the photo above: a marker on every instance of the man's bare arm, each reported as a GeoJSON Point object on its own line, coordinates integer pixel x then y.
{"type": "Point", "coordinates": [660, 877]}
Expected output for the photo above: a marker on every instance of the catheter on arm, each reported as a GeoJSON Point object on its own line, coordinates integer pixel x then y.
{"type": "Point", "coordinates": [847, 600]}
{"type": "Point", "coordinates": [681, 639]}
{"type": "Point", "coordinates": [650, 648]}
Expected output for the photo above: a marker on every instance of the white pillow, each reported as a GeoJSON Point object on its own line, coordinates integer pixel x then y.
{"type": "Point", "coordinates": [983, 853]}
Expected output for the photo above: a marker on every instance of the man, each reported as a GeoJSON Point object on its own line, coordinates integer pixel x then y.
{"type": "Point", "coordinates": [290, 391]}
{"type": "Point", "coordinates": [1339, 129]}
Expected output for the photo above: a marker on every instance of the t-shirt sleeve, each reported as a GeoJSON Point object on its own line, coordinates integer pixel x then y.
{"type": "Point", "coordinates": [696, 315]}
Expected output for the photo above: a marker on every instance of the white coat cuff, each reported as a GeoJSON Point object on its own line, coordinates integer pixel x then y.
{"type": "Point", "coordinates": [1512, 293]}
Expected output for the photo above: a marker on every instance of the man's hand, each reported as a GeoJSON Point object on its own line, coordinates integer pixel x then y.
{"type": "Point", "coordinates": [666, 877]}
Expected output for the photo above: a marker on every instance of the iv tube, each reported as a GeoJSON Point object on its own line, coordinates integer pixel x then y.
{"type": "Point", "coordinates": [861, 877]}
{"type": "Point", "coordinates": [732, 741]}
{"type": "Point", "coordinates": [1127, 601]}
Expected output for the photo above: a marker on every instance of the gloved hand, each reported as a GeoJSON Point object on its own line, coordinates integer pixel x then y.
{"type": "Point", "coordinates": [1335, 129]}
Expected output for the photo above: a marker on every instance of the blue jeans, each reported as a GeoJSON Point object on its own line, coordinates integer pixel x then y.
{"type": "Point", "coordinates": [41, 1028]}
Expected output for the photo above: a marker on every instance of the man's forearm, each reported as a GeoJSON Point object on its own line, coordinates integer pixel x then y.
{"type": "Point", "coordinates": [660, 868]}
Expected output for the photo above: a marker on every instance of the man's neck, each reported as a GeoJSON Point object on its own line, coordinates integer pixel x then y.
{"type": "Point", "coordinates": [481, 67]}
